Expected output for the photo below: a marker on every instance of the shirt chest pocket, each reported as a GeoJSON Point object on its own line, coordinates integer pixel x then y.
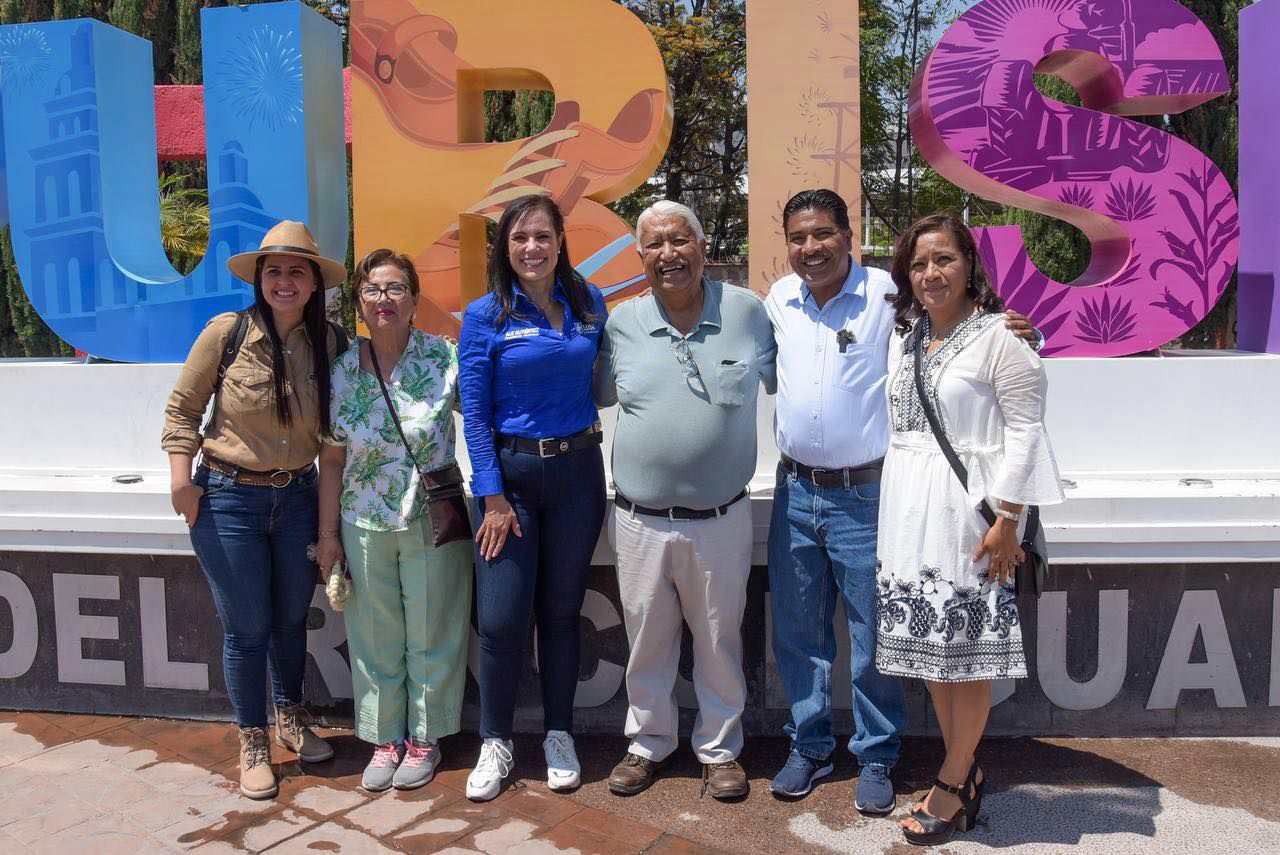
{"type": "Point", "coordinates": [732, 382]}
{"type": "Point", "coordinates": [854, 369]}
{"type": "Point", "coordinates": [247, 389]}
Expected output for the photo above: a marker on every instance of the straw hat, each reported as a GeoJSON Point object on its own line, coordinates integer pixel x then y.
{"type": "Point", "coordinates": [288, 238]}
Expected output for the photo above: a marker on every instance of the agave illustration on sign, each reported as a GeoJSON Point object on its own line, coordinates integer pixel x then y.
{"type": "Point", "coordinates": [1212, 237]}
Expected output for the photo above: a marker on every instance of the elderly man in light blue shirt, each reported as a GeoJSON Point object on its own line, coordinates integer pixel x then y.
{"type": "Point", "coordinates": [685, 364]}
{"type": "Point", "coordinates": [833, 325]}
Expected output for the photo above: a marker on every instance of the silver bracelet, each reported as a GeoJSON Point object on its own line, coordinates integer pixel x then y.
{"type": "Point", "coordinates": [1009, 515]}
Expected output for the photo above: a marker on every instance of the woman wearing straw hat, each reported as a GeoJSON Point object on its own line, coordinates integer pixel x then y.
{"type": "Point", "coordinates": [251, 505]}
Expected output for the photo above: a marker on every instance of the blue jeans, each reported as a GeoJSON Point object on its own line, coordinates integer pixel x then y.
{"type": "Point", "coordinates": [823, 540]}
{"type": "Point", "coordinates": [252, 545]}
{"type": "Point", "coordinates": [559, 502]}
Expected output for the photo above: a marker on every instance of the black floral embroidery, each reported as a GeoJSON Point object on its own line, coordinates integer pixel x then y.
{"type": "Point", "coordinates": [965, 639]}
{"type": "Point", "coordinates": [905, 411]}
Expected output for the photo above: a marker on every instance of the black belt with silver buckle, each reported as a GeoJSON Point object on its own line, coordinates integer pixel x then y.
{"type": "Point", "coordinates": [677, 513]}
{"type": "Point", "coordinates": [553, 446]}
{"type": "Point", "coordinates": [868, 473]}
{"type": "Point", "coordinates": [278, 478]}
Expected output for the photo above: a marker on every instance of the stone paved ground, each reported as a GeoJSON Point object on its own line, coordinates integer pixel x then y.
{"type": "Point", "coordinates": [91, 785]}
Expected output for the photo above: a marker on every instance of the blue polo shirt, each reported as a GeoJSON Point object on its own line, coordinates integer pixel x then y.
{"type": "Point", "coordinates": [523, 378]}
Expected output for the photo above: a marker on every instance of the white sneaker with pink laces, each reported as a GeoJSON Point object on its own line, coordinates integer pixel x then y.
{"type": "Point", "coordinates": [378, 774]}
{"type": "Point", "coordinates": [421, 757]}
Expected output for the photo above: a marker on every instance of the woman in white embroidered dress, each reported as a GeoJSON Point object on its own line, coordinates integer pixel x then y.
{"type": "Point", "coordinates": [947, 610]}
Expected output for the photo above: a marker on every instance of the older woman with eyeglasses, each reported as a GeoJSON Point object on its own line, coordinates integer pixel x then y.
{"type": "Point", "coordinates": [391, 502]}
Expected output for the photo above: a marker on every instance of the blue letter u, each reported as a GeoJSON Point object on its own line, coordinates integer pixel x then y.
{"type": "Point", "coordinates": [80, 169]}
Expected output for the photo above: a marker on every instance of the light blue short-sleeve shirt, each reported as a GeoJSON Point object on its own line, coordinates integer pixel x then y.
{"type": "Point", "coordinates": [686, 433]}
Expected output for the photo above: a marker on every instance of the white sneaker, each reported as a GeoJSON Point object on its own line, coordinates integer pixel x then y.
{"type": "Point", "coordinates": [494, 765]}
{"type": "Point", "coordinates": [563, 770]}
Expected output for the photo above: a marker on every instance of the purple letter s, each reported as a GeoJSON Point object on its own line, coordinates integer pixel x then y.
{"type": "Point", "coordinates": [1161, 218]}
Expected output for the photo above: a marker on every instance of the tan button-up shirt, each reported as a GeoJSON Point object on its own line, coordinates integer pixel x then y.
{"type": "Point", "coordinates": [245, 430]}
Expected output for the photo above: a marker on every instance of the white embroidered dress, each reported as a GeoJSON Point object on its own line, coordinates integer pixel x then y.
{"type": "Point", "coordinates": [938, 617]}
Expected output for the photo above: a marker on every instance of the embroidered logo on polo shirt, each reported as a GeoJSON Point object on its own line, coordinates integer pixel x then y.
{"type": "Point", "coordinates": [520, 333]}
{"type": "Point", "coordinates": [581, 328]}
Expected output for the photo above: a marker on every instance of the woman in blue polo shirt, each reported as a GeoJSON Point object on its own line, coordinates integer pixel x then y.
{"type": "Point", "coordinates": [526, 353]}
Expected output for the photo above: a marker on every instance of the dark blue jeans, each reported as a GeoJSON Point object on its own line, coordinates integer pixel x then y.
{"type": "Point", "coordinates": [252, 545]}
{"type": "Point", "coordinates": [822, 542]}
{"type": "Point", "coordinates": [559, 502]}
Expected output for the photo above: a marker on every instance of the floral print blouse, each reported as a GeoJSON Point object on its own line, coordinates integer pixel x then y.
{"type": "Point", "coordinates": [380, 484]}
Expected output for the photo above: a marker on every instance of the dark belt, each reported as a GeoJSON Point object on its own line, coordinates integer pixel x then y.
{"type": "Point", "coordinates": [553, 446]}
{"type": "Point", "coordinates": [676, 513]}
{"type": "Point", "coordinates": [868, 473]}
{"type": "Point", "coordinates": [278, 478]}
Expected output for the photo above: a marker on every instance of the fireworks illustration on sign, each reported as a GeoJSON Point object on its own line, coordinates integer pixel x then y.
{"type": "Point", "coordinates": [24, 57]}
{"type": "Point", "coordinates": [264, 79]}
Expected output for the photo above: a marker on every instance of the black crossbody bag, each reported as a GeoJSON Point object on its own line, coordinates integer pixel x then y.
{"type": "Point", "coordinates": [1030, 577]}
{"type": "Point", "coordinates": [446, 503]}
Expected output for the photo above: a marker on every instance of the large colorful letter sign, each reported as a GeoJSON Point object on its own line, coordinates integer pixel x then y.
{"type": "Point", "coordinates": [80, 166]}
{"type": "Point", "coordinates": [1161, 217]}
{"type": "Point", "coordinates": [424, 179]}
{"type": "Point", "coordinates": [1258, 300]}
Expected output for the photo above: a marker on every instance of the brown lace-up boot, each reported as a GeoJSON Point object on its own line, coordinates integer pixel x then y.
{"type": "Point", "coordinates": [257, 779]}
{"type": "Point", "coordinates": [726, 780]}
{"type": "Point", "coordinates": [293, 733]}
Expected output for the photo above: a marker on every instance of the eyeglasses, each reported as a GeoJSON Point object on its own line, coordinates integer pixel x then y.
{"type": "Point", "coordinates": [373, 292]}
{"type": "Point", "coordinates": [680, 347]}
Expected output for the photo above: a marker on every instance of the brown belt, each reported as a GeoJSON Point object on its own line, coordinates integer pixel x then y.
{"type": "Point", "coordinates": [866, 474]}
{"type": "Point", "coordinates": [278, 478]}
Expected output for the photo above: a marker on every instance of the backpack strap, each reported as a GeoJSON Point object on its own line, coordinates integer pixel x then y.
{"type": "Point", "coordinates": [229, 353]}
{"type": "Point", "coordinates": [340, 334]}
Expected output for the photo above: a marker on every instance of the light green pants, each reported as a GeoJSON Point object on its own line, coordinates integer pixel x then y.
{"type": "Point", "coordinates": [407, 629]}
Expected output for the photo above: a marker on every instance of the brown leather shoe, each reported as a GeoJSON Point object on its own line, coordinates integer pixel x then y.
{"type": "Point", "coordinates": [292, 733]}
{"type": "Point", "coordinates": [726, 780]}
{"type": "Point", "coordinates": [634, 774]}
{"type": "Point", "coordinates": [257, 779]}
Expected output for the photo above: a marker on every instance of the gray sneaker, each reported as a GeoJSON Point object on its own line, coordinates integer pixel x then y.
{"type": "Point", "coordinates": [381, 769]}
{"type": "Point", "coordinates": [418, 766]}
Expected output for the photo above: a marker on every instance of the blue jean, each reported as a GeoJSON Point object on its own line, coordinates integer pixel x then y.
{"type": "Point", "coordinates": [252, 543]}
{"type": "Point", "coordinates": [822, 540]}
{"type": "Point", "coordinates": [560, 503]}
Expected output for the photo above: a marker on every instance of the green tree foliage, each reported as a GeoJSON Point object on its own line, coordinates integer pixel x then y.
{"type": "Point", "coordinates": [513, 115]}
{"type": "Point", "coordinates": [704, 47]}
{"type": "Point", "coordinates": [897, 183]}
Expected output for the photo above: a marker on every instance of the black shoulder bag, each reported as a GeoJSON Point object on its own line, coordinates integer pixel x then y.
{"type": "Point", "coordinates": [446, 504]}
{"type": "Point", "coordinates": [1031, 572]}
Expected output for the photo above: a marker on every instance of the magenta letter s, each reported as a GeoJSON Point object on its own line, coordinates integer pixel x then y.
{"type": "Point", "coordinates": [1161, 217]}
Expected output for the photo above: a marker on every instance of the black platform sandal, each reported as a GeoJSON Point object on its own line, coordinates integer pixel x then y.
{"type": "Point", "coordinates": [974, 806]}
{"type": "Point", "coordinates": [935, 830]}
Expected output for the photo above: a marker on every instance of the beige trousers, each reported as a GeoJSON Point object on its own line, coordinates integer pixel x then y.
{"type": "Point", "coordinates": [695, 569]}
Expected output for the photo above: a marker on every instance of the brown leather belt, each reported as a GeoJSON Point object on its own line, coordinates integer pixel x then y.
{"type": "Point", "coordinates": [866, 474]}
{"type": "Point", "coordinates": [553, 446]}
{"type": "Point", "coordinates": [278, 478]}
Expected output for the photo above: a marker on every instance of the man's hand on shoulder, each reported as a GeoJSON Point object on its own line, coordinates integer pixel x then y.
{"type": "Point", "coordinates": [1021, 326]}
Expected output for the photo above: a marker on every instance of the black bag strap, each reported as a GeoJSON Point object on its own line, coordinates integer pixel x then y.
{"type": "Point", "coordinates": [443, 490]}
{"type": "Point", "coordinates": [395, 416]}
{"type": "Point", "coordinates": [340, 334]}
{"type": "Point", "coordinates": [1033, 511]}
{"type": "Point", "coordinates": [229, 353]}
{"type": "Point", "coordinates": [934, 425]}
